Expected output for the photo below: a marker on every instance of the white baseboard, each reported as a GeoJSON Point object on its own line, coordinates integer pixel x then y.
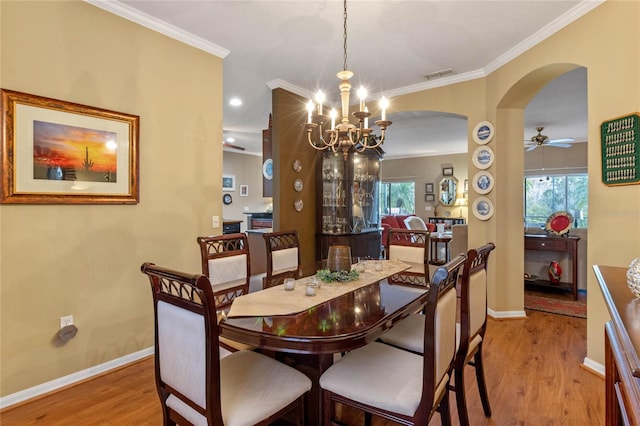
{"type": "Point", "coordinates": [70, 379]}
{"type": "Point", "coordinates": [506, 314]}
{"type": "Point", "coordinates": [593, 366]}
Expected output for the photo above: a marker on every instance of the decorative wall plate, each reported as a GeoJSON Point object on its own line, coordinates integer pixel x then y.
{"type": "Point", "coordinates": [483, 157]}
{"type": "Point", "coordinates": [298, 185]}
{"type": "Point", "coordinates": [559, 223]}
{"type": "Point", "coordinates": [226, 199]}
{"type": "Point", "coordinates": [482, 208]}
{"type": "Point", "coordinates": [483, 182]}
{"type": "Point", "coordinates": [483, 132]}
{"type": "Point", "coordinates": [267, 169]}
{"type": "Point", "coordinates": [297, 166]}
{"type": "Point", "coordinates": [298, 205]}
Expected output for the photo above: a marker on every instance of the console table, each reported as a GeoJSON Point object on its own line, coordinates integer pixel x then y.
{"type": "Point", "coordinates": [622, 347]}
{"type": "Point", "coordinates": [567, 245]}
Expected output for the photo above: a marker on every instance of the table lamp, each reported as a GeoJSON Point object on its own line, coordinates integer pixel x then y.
{"type": "Point", "coordinates": [461, 202]}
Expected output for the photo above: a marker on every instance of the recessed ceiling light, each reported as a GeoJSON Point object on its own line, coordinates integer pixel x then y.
{"type": "Point", "coordinates": [235, 102]}
{"type": "Point", "coordinates": [230, 139]}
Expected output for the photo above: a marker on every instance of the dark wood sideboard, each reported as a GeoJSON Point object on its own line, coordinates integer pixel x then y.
{"type": "Point", "coordinates": [622, 347]}
{"type": "Point", "coordinates": [569, 245]}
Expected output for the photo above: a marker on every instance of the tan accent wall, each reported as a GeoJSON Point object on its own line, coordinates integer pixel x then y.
{"type": "Point", "coordinates": [84, 260]}
{"type": "Point", "coordinates": [607, 42]}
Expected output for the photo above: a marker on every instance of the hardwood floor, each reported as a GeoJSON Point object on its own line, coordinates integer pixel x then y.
{"type": "Point", "coordinates": [533, 375]}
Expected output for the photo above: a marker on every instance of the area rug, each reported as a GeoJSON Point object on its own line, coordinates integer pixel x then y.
{"type": "Point", "coordinates": [570, 308]}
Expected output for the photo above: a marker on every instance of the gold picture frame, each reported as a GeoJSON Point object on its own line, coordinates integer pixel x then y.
{"type": "Point", "coordinates": [58, 152]}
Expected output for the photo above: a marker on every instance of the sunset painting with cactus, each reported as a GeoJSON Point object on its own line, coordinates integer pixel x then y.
{"type": "Point", "coordinates": [62, 152]}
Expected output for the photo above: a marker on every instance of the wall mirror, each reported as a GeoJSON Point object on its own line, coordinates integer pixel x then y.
{"type": "Point", "coordinates": [448, 191]}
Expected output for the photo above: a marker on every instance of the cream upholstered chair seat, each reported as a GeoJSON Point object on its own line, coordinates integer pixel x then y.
{"type": "Point", "coordinates": [397, 384]}
{"type": "Point", "coordinates": [194, 384]}
{"type": "Point", "coordinates": [396, 389]}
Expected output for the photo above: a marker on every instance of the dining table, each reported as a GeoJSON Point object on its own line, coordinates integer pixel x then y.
{"type": "Point", "coordinates": [309, 332]}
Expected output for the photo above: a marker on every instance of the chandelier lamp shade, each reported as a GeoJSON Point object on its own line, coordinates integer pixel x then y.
{"type": "Point", "coordinates": [324, 132]}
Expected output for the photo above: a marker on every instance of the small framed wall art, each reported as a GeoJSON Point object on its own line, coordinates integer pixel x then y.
{"type": "Point", "coordinates": [244, 190]}
{"type": "Point", "coordinates": [429, 198]}
{"type": "Point", "coordinates": [228, 183]}
{"type": "Point", "coordinates": [428, 188]}
{"type": "Point", "coordinates": [447, 171]}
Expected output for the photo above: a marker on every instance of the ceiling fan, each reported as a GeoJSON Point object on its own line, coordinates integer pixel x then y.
{"type": "Point", "coordinates": [232, 146]}
{"type": "Point", "coordinates": [540, 140]}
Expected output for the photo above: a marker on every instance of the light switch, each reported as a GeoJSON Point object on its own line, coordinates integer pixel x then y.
{"type": "Point", "coordinates": [216, 221]}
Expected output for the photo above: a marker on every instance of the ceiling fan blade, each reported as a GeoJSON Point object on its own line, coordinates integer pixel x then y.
{"type": "Point", "coordinates": [531, 148]}
{"type": "Point", "coordinates": [561, 140]}
{"type": "Point", "coordinates": [559, 145]}
{"type": "Point", "coordinates": [230, 145]}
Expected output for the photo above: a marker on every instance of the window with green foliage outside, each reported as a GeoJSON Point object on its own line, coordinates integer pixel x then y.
{"type": "Point", "coordinates": [397, 198]}
{"type": "Point", "coordinates": [545, 195]}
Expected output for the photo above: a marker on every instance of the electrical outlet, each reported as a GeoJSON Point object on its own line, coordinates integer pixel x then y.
{"type": "Point", "coordinates": [65, 321]}
{"type": "Point", "coordinates": [215, 221]}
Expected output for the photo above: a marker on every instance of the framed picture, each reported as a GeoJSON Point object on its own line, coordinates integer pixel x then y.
{"type": "Point", "coordinates": [58, 152]}
{"type": "Point", "coordinates": [244, 190]}
{"type": "Point", "coordinates": [228, 182]}
{"type": "Point", "coordinates": [428, 188]}
{"type": "Point", "coordinates": [447, 171]}
{"type": "Point", "coordinates": [429, 198]}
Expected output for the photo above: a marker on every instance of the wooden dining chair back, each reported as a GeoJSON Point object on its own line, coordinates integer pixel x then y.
{"type": "Point", "coordinates": [408, 245]}
{"type": "Point", "coordinates": [283, 256]}
{"type": "Point", "coordinates": [226, 262]}
{"type": "Point", "coordinates": [195, 386]}
{"type": "Point", "coordinates": [396, 384]}
{"type": "Point", "coordinates": [472, 327]}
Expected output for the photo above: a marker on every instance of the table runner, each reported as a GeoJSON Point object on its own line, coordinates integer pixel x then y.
{"type": "Point", "coordinates": [275, 301]}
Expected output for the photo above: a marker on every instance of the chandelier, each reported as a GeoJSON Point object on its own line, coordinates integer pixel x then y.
{"type": "Point", "coordinates": [344, 136]}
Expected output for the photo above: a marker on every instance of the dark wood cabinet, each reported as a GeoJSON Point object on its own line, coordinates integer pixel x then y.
{"type": "Point", "coordinates": [569, 245]}
{"type": "Point", "coordinates": [622, 348]}
{"type": "Point", "coordinates": [347, 203]}
{"type": "Point", "coordinates": [231, 226]}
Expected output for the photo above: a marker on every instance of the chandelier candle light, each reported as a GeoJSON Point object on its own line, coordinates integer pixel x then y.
{"type": "Point", "coordinates": [344, 136]}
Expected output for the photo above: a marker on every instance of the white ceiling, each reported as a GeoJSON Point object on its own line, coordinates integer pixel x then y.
{"type": "Point", "coordinates": [392, 45]}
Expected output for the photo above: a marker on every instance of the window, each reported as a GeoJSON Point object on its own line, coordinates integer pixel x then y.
{"type": "Point", "coordinates": [397, 198]}
{"type": "Point", "coordinates": [545, 195]}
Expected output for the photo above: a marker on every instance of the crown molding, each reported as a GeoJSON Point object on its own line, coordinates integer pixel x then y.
{"type": "Point", "coordinates": [157, 25]}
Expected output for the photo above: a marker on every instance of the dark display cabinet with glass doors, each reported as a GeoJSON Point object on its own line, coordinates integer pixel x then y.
{"type": "Point", "coordinates": [347, 200]}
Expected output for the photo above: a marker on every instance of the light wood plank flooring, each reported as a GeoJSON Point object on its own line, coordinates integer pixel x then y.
{"type": "Point", "coordinates": [533, 373]}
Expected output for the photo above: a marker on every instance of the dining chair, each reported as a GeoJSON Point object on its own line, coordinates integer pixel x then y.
{"type": "Point", "coordinates": [226, 262]}
{"type": "Point", "coordinates": [283, 256]}
{"type": "Point", "coordinates": [471, 329]}
{"type": "Point", "coordinates": [409, 246]}
{"type": "Point", "coordinates": [398, 385]}
{"type": "Point", "coordinates": [195, 386]}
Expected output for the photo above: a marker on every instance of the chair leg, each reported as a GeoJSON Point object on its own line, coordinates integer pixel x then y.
{"type": "Point", "coordinates": [482, 386]}
{"type": "Point", "coordinates": [445, 410]}
{"type": "Point", "coordinates": [461, 399]}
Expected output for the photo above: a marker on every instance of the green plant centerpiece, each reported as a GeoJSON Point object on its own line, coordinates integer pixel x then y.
{"type": "Point", "coordinates": [327, 276]}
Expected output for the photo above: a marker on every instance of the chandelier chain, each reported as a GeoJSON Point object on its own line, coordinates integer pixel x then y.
{"type": "Point", "coordinates": [344, 37]}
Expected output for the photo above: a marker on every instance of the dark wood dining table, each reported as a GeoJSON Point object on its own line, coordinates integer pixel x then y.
{"type": "Point", "coordinates": [312, 337]}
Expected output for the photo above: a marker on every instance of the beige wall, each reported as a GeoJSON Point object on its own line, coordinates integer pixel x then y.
{"type": "Point", "coordinates": [424, 170]}
{"type": "Point", "coordinates": [606, 41]}
{"type": "Point", "coordinates": [84, 260]}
